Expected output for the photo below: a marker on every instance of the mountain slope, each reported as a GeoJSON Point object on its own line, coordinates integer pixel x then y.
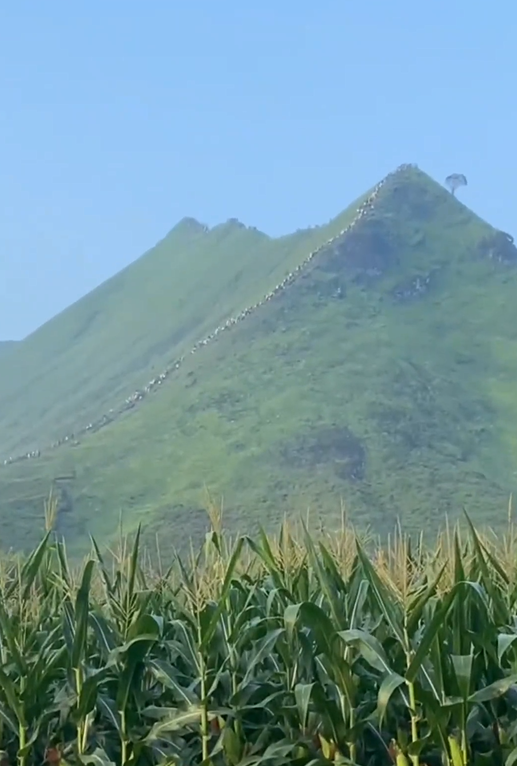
{"type": "Point", "coordinates": [382, 377]}
{"type": "Point", "coordinates": [113, 340]}
{"type": "Point", "coordinates": [6, 345]}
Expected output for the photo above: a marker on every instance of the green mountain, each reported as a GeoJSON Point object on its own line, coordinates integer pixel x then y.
{"type": "Point", "coordinates": [113, 341]}
{"type": "Point", "coordinates": [379, 376]}
{"type": "Point", "coordinates": [6, 346]}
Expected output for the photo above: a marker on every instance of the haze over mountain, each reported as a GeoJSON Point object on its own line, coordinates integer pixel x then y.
{"type": "Point", "coordinates": [6, 345]}
{"type": "Point", "coordinates": [380, 375]}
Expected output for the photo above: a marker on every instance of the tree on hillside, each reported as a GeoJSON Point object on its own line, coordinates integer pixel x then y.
{"type": "Point", "coordinates": [455, 180]}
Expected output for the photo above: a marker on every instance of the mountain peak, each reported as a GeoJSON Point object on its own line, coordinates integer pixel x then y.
{"type": "Point", "coordinates": [232, 225]}
{"type": "Point", "coordinates": [368, 361]}
{"type": "Point", "coordinates": [189, 226]}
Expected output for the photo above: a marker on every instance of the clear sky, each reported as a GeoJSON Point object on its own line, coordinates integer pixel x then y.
{"type": "Point", "coordinates": [119, 117]}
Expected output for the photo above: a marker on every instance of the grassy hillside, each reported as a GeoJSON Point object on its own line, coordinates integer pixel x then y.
{"type": "Point", "coordinates": [119, 336]}
{"type": "Point", "coordinates": [382, 378]}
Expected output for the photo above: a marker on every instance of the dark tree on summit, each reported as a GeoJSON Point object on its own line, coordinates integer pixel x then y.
{"type": "Point", "coordinates": [455, 180]}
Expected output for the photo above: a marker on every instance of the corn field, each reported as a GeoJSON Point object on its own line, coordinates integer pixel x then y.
{"type": "Point", "coordinates": [292, 649]}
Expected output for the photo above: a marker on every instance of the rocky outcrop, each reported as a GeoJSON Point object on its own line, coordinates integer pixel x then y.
{"type": "Point", "coordinates": [412, 289]}
{"type": "Point", "coordinates": [499, 247]}
{"type": "Point", "coordinates": [369, 249]}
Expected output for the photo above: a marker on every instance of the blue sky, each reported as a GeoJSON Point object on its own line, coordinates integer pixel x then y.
{"type": "Point", "coordinates": [119, 117]}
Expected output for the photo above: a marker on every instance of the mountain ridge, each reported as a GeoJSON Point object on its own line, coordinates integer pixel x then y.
{"type": "Point", "coordinates": [194, 227]}
{"type": "Point", "coordinates": [381, 378]}
{"type": "Point", "coordinates": [108, 340]}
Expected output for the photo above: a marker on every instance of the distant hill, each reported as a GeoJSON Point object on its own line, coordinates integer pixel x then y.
{"type": "Point", "coordinates": [381, 378]}
{"type": "Point", "coordinates": [6, 345]}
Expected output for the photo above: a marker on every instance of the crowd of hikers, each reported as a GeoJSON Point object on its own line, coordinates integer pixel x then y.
{"type": "Point", "coordinates": [138, 396]}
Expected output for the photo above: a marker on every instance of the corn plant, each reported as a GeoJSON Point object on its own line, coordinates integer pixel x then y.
{"type": "Point", "coordinates": [290, 649]}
